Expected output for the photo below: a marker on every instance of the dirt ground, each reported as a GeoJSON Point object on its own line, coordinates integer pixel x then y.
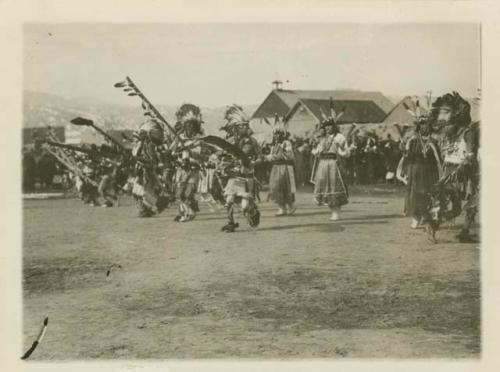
{"type": "Point", "coordinates": [297, 287]}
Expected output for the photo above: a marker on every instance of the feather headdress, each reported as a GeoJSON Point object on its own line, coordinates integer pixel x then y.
{"type": "Point", "coordinates": [279, 125]}
{"type": "Point", "coordinates": [334, 116]}
{"type": "Point", "coordinates": [420, 117]}
{"type": "Point", "coordinates": [235, 115]}
{"type": "Point", "coordinates": [189, 120]}
{"type": "Point", "coordinates": [416, 113]}
{"type": "Point", "coordinates": [188, 112]}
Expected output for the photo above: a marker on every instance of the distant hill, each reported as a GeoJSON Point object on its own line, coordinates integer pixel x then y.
{"type": "Point", "coordinates": [42, 109]}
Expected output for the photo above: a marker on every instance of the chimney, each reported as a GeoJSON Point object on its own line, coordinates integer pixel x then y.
{"type": "Point", "coordinates": [277, 84]}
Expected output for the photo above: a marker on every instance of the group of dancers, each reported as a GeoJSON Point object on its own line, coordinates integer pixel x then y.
{"type": "Point", "coordinates": [181, 164]}
{"type": "Point", "coordinates": [441, 167]}
{"type": "Point", "coordinates": [222, 170]}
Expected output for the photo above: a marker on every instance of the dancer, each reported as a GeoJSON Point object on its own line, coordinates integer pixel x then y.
{"type": "Point", "coordinates": [188, 149]}
{"type": "Point", "coordinates": [423, 165]}
{"type": "Point", "coordinates": [459, 182]}
{"type": "Point", "coordinates": [282, 186]}
{"type": "Point", "coordinates": [329, 186]}
{"type": "Point", "coordinates": [148, 190]}
{"type": "Point", "coordinates": [240, 187]}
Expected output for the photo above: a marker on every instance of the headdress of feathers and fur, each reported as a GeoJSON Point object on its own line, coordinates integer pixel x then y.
{"type": "Point", "coordinates": [189, 119]}
{"type": "Point", "coordinates": [459, 106]}
{"type": "Point", "coordinates": [235, 115]}
{"type": "Point", "coordinates": [151, 128]}
{"type": "Point", "coordinates": [188, 112]}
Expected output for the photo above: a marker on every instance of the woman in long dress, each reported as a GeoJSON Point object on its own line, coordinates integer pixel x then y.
{"type": "Point", "coordinates": [282, 186]}
{"type": "Point", "coordinates": [329, 186]}
{"type": "Point", "coordinates": [422, 165]}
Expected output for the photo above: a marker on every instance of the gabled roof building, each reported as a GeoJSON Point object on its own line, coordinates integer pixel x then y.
{"type": "Point", "coordinates": [303, 109]}
{"type": "Point", "coordinates": [306, 113]}
{"type": "Point", "coordinates": [400, 115]}
{"type": "Point", "coordinates": [280, 101]}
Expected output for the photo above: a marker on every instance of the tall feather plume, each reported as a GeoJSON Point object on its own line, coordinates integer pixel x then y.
{"type": "Point", "coordinates": [417, 109]}
{"type": "Point", "coordinates": [276, 124]}
{"type": "Point", "coordinates": [333, 114]}
{"type": "Point", "coordinates": [131, 89]}
{"type": "Point", "coordinates": [340, 114]}
{"type": "Point", "coordinates": [323, 114]}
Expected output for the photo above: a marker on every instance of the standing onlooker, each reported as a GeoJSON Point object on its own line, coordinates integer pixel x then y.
{"type": "Point", "coordinates": [390, 159]}
{"type": "Point", "coordinates": [302, 162]}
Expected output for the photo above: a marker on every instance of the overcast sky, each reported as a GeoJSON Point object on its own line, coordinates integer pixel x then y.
{"type": "Point", "coordinates": [216, 65]}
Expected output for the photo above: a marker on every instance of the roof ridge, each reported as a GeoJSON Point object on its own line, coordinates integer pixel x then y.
{"type": "Point", "coordinates": [396, 106]}
{"type": "Point", "coordinates": [326, 90]}
{"type": "Point", "coordinates": [341, 99]}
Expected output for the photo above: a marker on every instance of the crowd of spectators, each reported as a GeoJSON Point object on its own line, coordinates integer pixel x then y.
{"type": "Point", "coordinates": [372, 159]}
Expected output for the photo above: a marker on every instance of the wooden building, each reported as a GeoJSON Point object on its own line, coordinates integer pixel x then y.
{"type": "Point", "coordinates": [307, 113]}
{"type": "Point", "coordinates": [302, 108]}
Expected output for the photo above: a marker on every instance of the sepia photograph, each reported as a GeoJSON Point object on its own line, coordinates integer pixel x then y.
{"type": "Point", "coordinates": [271, 191]}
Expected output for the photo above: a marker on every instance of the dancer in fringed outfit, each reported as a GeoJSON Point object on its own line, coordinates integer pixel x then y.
{"type": "Point", "coordinates": [282, 186]}
{"type": "Point", "coordinates": [458, 187]}
{"type": "Point", "coordinates": [241, 184]}
{"type": "Point", "coordinates": [188, 149]}
{"type": "Point", "coordinates": [329, 186]}
{"type": "Point", "coordinates": [147, 189]}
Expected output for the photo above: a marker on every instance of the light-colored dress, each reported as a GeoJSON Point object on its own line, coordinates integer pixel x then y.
{"type": "Point", "coordinates": [329, 186]}
{"type": "Point", "coordinates": [282, 186]}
